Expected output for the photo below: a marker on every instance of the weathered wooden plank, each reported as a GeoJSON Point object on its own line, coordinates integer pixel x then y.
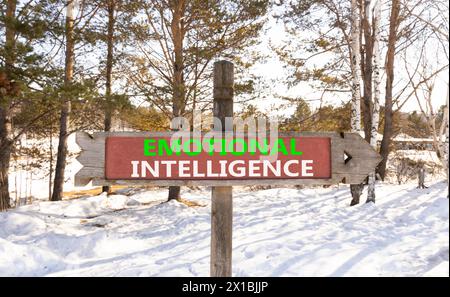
{"type": "Point", "coordinates": [364, 159]}
{"type": "Point", "coordinates": [222, 197]}
{"type": "Point", "coordinates": [84, 176]}
{"type": "Point", "coordinates": [218, 182]}
{"type": "Point", "coordinates": [92, 157]}
{"type": "Point", "coordinates": [223, 87]}
{"type": "Point", "coordinates": [96, 136]}
{"type": "Point", "coordinates": [221, 230]}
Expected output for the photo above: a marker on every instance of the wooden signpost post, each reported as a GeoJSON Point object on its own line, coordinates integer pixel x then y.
{"type": "Point", "coordinates": [154, 158]}
{"type": "Point", "coordinates": [222, 196]}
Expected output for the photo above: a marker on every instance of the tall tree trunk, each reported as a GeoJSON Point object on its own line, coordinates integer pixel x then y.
{"type": "Point", "coordinates": [445, 133]}
{"type": "Point", "coordinates": [65, 108]}
{"type": "Point", "coordinates": [355, 190]}
{"type": "Point", "coordinates": [5, 157]}
{"type": "Point", "coordinates": [178, 32]}
{"type": "Point", "coordinates": [440, 136]}
{"type": "Point", "coordinates": [388, 121]}
{"type": "Point", "coordinates": [376, 93]}
{"type": "Point", "coordinates": [50, 167]}
{"type": "Point", "coordinates": [109, 66]}
{"type": "Point", "coordinates": [367, 69]}
{"type": "Point", "coordinates": [7, 91]}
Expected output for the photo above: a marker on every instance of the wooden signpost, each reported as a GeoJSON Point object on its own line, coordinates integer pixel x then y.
{"type": "Point", "coordinates": [222, 196]}
{"type": "Point", "coordinates": [220, 161]}
{"type": "Point", "coordinates": [303, 159]}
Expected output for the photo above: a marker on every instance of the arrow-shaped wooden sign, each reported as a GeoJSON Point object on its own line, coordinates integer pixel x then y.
{"type": "Point", "coordinates": [139, 158]}
{"type": "Point", "coordinates": [222, 161]}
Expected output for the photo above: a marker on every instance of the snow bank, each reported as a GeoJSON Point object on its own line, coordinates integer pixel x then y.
{"type": "Point", "coordinates": [277, 232]}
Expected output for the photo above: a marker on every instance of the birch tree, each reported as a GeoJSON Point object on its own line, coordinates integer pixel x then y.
{"type": "Point", "coordinates": [409, 23]}
{"type": "Point", "coordinates": [433, 60]}
{"type": "Point", "coordinates": [355, 65]}
{"type": "Point", "coordinates": [329, 20]}
{"type": "Point", "coordinates": [439, 133]}
{"type": "Point", "coordinates": [356, 190]}
{"type": "Point", "coordinates": [376, 76]}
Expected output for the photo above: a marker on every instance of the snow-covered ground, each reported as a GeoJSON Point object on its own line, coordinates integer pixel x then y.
{"type": "Point", "coordinates": [32, 182]}
{"type": "Point", "coordinates": [29, 178]}
{"type": "Point", "coordinates": [276, 232]}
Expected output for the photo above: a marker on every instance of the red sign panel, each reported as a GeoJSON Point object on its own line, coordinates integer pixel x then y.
{"type": "Point", "coordinates": [156, 158]}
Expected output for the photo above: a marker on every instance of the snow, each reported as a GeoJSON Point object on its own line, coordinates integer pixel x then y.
{"type": "Point", "coordinates": [402, 137]}
{"type": "Point", "coordinates": [425, 156]}
{"type": "Point", "coordinates": [405, 137]}
{"type": "Point", "coordinates": [25, 181]}
{"type": "Point", "coordinates": [276, 232]}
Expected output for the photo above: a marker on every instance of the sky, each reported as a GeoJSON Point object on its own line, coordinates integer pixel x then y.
{"type": "Point", "coordinates": [275, 74]}
{"type": "Point", "coordinates": [273, 70]}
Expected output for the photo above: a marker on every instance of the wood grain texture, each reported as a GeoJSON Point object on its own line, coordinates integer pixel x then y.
{"type": "Point", "coordinates": [222, 197]}
{"type": "Point", "coordinates": [221, 231]}
{"type": "Point", "coordinates": [364, 160]}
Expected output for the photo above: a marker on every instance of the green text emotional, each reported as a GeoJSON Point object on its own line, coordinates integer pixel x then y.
{"type": "Point", "coordinates": [222, 146]}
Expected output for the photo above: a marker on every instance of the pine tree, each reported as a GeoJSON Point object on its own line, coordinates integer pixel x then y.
{"type": "Point", "coordinates": [178, 48]}
{"type": "Point", "coordinates": [25, 30]}
{"type": "Point", "coordinates": [66, 104]}
{"type": "Point", "coordinates": [9, 89]}
{"type": "Point", "coordinates": [326, 24]}
{"type": "Point", "coordinates": [77, 94]}
{"type": "Point", "coordinates": [111, 9]}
